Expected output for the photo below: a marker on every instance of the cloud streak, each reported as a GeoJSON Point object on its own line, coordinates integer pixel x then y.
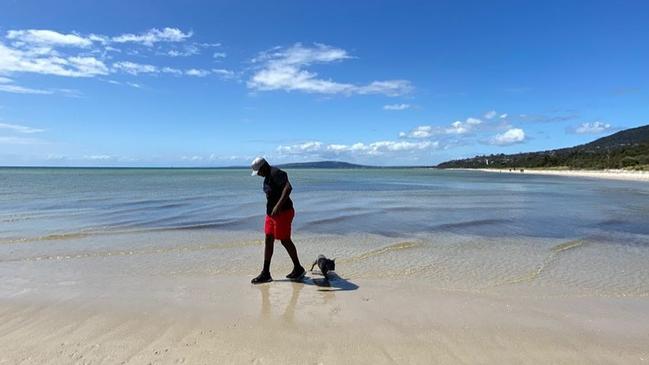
{"type": "Point", "coordinates": [20, 128]}
{"type": "Point", "coordinates": [317, 149]}
{"type": "Point", "coordinates": [44, 37]}
{"type": "Point", "coordinates": [154, 35]}
{"type": "Point", "coordinates": [286, 69]}
{"type": "Point", "coordinates": [14, 60]}
{"type": "Point", "coordinates": [49, 52]}
{"type": "Point", "coordinates": [396, 106]}
{"type": "Point", "coordinates": [591, 128]}
{"type": "Point", "coordinates": [455, 128]}
{"type": "Point", "coordinates": [7, 85]}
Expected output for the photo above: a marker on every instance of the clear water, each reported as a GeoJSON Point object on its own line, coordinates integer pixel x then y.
{"type": "Point", "coordinates": [35, 203]}
{"type": "Point", "coordinates": [460, 229]}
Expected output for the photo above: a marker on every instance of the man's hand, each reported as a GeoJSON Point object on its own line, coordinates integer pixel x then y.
{"type": "Point", "coordinates": [285, 192]}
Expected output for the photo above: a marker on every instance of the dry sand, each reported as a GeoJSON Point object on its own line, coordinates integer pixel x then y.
{"type": "Point", "coordinates": [600, 174]}
{"type": "Point", "coordinates": [223, 320]}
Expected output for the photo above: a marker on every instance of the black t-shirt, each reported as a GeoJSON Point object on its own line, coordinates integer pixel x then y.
{"type": "Point", "coordinates": [273, 186]}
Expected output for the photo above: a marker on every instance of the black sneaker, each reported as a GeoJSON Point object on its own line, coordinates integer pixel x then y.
{"type": "Point", "coordinates": [264, 277]}
{"type": "Point", "coordinates": [296, 274]}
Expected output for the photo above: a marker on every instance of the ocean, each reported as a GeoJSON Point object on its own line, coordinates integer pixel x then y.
{"type": "Point", "coordinates": [461, 230]}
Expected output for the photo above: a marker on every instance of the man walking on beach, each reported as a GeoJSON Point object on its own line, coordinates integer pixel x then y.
{"type": "Point", "coordinates": [279, 216]}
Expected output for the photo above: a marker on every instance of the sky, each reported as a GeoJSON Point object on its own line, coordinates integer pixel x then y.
{"type": "Point", "coordinates": [217, 83]}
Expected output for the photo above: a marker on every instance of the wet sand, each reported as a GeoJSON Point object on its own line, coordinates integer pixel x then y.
{"type": "Point", "coordinates": [210, 319]}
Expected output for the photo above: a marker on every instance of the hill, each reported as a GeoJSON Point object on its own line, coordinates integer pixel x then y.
{"type": "Point", "coordinates": [625, 149]}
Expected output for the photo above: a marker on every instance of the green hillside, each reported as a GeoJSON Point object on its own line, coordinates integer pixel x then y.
{"type": "Point", "coordinates": [625, 149]}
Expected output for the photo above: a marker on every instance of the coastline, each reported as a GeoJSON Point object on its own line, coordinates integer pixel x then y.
{"type": "Point", "coordinates": [470, 268]}
{"type": "Point", "coordinates": [599, 174]}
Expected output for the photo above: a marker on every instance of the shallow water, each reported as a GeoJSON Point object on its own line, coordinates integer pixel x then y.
{"type": "Point", "coordinates": [459, 230]}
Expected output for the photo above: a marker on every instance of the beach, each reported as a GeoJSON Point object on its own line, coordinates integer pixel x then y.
{"type": "Point", "coordinates": [154, 266]}
{"type": "Point", "coordinates": [627, 175]}
{"type": "Point", "coordinates": [282, 322]}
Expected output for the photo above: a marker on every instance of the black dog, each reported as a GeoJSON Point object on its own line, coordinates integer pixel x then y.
{"type": "Point", "coordinates": [324, 264]}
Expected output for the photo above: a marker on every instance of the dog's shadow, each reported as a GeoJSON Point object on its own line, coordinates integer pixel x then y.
{"type": "Point", "coordinates": [330, 282]}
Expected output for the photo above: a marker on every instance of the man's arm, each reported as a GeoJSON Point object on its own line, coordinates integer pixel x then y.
{"type": "Point", "coordinates": [285, 193]}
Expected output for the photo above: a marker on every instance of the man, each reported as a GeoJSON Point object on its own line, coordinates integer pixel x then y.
{"type": "Point", "coordinates": [279, 216]}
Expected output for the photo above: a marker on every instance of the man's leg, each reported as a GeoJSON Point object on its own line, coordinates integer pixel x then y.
{"type": "Point", "coordinates": [298, 270]}
{"type": "Point", "coordinates": [269, 243]}
{"type": "Point", "coordinates": [292, 251]}
{"type": "Point", "coordinates": [265, 277]}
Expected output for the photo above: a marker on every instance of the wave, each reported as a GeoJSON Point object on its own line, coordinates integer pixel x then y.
{"type": "Point", "coordinates": [382, 251]}
{"type": "Point", "coordinates": [472, 223]}
{"type": "Point", "coordinates": [549, 260]}
{"type": "Point", "coordinates": [133, 252]}
{"type": "Point", "coordinates": [337, 219]}
{"type": "Point", "coordinates": [133, 226]}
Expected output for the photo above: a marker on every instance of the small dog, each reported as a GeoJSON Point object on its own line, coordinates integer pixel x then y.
{"type": "Point", "coordinates": [324, 264]}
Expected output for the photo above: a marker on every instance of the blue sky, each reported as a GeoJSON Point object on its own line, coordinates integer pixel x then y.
{"type": "Point", "coordinates": [193, 83]}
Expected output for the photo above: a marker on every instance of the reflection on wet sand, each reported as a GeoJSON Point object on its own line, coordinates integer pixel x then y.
{"type": "Point", "coordinates": [288, 315]}
{"type": "Point", "coordinates": [326, 286]}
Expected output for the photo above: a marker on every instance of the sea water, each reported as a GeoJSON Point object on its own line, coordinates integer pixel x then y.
{"type": "Point", "coordinates": [460, 230]}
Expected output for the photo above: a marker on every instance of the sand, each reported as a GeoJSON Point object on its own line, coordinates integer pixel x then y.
{"type": "Point", "coordinates": [206, 319]}
{"type": "Point", "coordinates": [600, 174]}
{"type": "Point", "coordinates": [175, 297]}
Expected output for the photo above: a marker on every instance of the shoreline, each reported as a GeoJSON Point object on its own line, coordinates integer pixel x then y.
{"type": "Point", "coordinates": [625, 175]}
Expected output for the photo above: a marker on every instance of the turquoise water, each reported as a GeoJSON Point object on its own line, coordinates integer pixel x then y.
{"type": "Point", "coordinates": [38, 203]}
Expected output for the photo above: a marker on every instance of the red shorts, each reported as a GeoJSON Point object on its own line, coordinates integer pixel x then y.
{"type": "Point", "coordinates": [279, 225]}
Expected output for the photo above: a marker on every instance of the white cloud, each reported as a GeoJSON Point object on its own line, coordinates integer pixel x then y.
{"type": "Point", "coordinates": [20, 128]}
{"type": "Point", "coordinates": [285, 69]}
{"type": "Point", "coordinates": [422, 131]}
{"type": "Point", "coordinates": [490, 114]}
{"type": "Point", "coordinates": [16, 60]}
{"type": "Point", "coordinates": [316, 149]}
{"type": "Point", "coordinates": [187, 51]}
{"type": "Point", "coordinates": [396, 106]}
{"type": "Point", "coordinates": [19, 140]}
{"type": "Point", "coordinates": [503, 116]}
{"type": "Point", "coordinates": [152, 36]}
{"type": "Point", "coordinates": [219, 55]}
{"type": "Point", "coordinates": [192, 158]}
{"type": "Point", "coordinates": [88, 65]}
{"type": "Point", "coordinates": [456, 128]}
{"type": "Point", "coordinates": [511, 136]}
{"type": "Point", "coordinates": [55, 157]}
{"type": "Point", "coordinates": [48, 52]}
{"type": "Point", "coordinates": [171, 70]}
{"type": "Point", "coordinates": [223, 72]}
{"type": "Point", "coordinates": [459, 127]}
{"type": "Point", "coordinates": [138, 68]}
{"type": "Point", "coordinates": [473, 121]}
{"type": "Point", "coordinates": [44, 37]}
{"type": "Point", "coordinates": [7, 85]}
{"type": "Point", "coordinates": [592, 128]}
{"type": "Point", "coordinates": [197, 72]}
{"type": "Point", "coordinates": [98, 157]}
{"type": "Point", "coordinates": [135, 68]}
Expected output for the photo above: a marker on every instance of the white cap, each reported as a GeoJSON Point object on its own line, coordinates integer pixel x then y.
{"type": "Point", "coordinates": [257, 164]}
